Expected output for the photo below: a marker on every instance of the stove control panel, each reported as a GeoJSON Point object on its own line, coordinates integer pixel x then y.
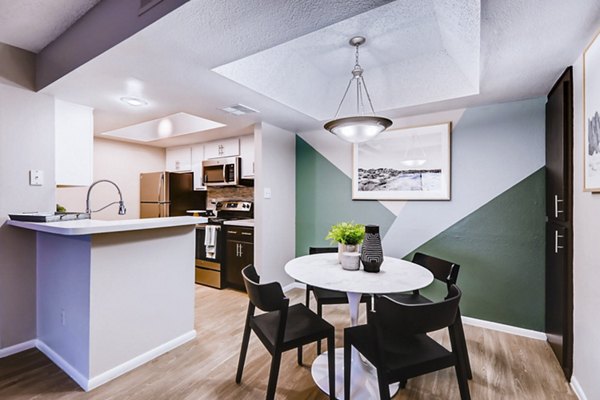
{"type": "Point", "coordinates": [244, 206]}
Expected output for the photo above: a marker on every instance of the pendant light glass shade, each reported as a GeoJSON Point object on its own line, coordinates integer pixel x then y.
{"type": "Point", "coordinates": [359, 128]}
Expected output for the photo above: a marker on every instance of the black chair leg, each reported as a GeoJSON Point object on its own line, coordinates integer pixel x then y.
{"type": "Point", "coordinates": [331, 364]}
{"type": "Point", "coordinates": [243, 351]}
{"type": "Point", "coordinates": [299, 355]}
{"type": "Point", "coordinates": [320, 314]}
{"type": "Point", "coordinates": [347, 367]}
{"type": "Point", "coordinates": [463, 383]}
{"type": "Point", "coordinates": [463, 344]}
{"type": "Point", "coordinates": [384, 387]}
{"type": "Point", "coordinates": [307, 297]}
{"type": "Point", "coordinates": [273, 375]}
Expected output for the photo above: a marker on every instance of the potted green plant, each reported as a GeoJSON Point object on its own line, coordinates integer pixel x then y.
{"type": "Point", "coordinates": [348, 236]}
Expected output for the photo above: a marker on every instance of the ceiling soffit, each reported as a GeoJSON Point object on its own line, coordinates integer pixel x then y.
{"type": "Point", "coordinates": [416, 53]}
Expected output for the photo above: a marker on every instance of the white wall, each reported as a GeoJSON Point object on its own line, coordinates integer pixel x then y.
{"type": "Point", "coordinates": [122, 163]}
{"type": "Point", "coordinates": [26, 142]}
{"type": "Point", "coordinates": [586, 259]}
{"type": "Point", "coordinates": [275, 228]}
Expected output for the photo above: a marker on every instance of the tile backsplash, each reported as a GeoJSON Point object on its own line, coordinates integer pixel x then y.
{"type": "Point", "coordinates": [216, 194]}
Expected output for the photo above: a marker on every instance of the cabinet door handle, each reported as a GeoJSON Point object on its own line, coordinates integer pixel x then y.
{"type": "Point", "coordinates": [247, 233]}
{"type": "Point", "coordinates": [556, 246]}
{"type": "Point", "coordinates": [241, 253]}
{"type": "Point", "coordinates": [556, 210]}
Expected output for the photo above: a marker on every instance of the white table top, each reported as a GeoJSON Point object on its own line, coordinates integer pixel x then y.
{"type": "Point", "coordinates": [93, 226]}
{"type": "Point", "coordinates": [323, 270]}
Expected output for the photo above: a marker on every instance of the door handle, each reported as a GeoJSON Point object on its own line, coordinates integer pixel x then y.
{"type": "Point", "coordinates": [237, 250]}
{"type": "Point", "coordinates": [556, 246]}
{"type": "Point", "coordinates": [241, 248]}
{"type": "Point", "coordinates": [556, 210]}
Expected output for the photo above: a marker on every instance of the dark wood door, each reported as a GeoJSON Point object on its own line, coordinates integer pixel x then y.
{"type": "Point", "coordinates": [559, 237]}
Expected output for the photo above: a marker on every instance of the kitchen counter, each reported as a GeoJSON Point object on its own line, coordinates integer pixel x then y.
{"type": "Point", "coordinates": [113, 295]}
{"type": "Point", "coordinates": [94, 226]}
{"type": "Point", "coordinates": [249, 223]}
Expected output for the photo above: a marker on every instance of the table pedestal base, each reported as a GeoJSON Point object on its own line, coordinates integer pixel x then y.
{"type": "Point", "coordinates": [363, 379]}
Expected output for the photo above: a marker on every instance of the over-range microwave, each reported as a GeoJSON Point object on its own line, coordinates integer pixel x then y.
{"type": "Point", "coordinates": [221, 171]}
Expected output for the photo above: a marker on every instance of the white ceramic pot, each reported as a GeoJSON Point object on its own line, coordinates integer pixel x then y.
{"type": "Point", "coordinates": [350, 248]}
{"type": "Point", "coordinates": [351, 260]}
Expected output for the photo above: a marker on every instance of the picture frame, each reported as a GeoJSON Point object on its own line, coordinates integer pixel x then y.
{"type": "Point", "coordinates": [404, 164]}
{"type": "Point", "coordinates": [591, 116]}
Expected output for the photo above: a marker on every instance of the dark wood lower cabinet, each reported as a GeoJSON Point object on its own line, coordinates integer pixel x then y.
{"type": "Point", "coordinates": [239, 252]}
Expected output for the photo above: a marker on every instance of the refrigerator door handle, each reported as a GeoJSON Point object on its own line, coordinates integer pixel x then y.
{"type": "Point", "coordinates": [160, 186]}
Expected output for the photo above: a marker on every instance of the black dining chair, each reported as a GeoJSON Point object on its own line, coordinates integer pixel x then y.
{"type": "Point", "coordinates": [446, 272]}
{"type": "Point", "coordinates": [395, 341]}
{"type": "Point", "coordinates": [281, 328]}
{"type": "Point", "coordinates": [326, 296]}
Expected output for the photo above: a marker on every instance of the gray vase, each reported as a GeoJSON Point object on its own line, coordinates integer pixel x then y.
{"type": "Point", "coordinates": [372, 253]}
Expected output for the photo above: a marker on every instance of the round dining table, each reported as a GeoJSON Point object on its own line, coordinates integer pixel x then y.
{"type": "Point", "coordinates": [324, 271]}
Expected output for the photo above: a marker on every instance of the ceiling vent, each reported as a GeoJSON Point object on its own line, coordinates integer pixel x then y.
{"type": "Point", "coordinates": [239, 109]}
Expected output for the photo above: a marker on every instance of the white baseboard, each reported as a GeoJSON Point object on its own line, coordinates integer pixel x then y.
{"type": "Point", "coordinates": [17, 348]}
{"type": "Point", "coordinates": [139, 360]}
{"type": "Point", "coordinates": [89, 384]}
{"type": "Point", "coordinates": [294, 285]}
{"type": "Point", "coordinates": [495, 326]}
{"type": "Point", "coordinates": [63, 364]}
{"type": "Point", "coordinates": [577, 388]}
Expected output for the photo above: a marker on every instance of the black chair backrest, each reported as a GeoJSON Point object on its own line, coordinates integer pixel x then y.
{"type": "Point", "coordinates": [267, 296]}
{"type": "Point", "coordinates": [442, 270]}
{"type": "Point", "coordinates": [319, 250]}
{"type": "Point", "coordinates": [409, 319]}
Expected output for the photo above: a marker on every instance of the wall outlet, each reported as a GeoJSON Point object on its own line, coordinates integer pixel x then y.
{"type": "Point", "coordinates": [267, 193]}
{"type": "Point", "coordinates": [36, 177]}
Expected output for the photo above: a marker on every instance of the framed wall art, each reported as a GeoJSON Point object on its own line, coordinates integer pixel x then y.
{"type": "Point", "coordinates": [404, 164]}
{"type": "Point", "coordinates": [591, 112]}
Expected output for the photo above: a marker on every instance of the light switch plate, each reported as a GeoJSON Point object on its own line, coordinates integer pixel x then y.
{"type": "Point", "coordinates": [267, 193]}
{"type": "Point", "coordinates": [36, 177]}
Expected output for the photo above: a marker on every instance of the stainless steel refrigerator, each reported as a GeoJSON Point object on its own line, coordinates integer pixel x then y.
{"type": "Point", "coordinates": [169, 194]}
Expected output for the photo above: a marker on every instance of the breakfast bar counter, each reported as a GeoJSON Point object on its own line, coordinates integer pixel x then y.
{"type": "Point", "coordinates": [113, 295]}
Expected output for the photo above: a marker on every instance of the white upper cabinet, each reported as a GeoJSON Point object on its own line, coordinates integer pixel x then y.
{"type": "Point", "coordinates": [197, 158]}
{"type": "Point", "coordinates": [222, 148]}
{"type": "Point", "coordinates": [247, 155]}
{"type": "Point", "coordinates": [74, 145]}
{"type": "Point", "coordinates": [179, 159]}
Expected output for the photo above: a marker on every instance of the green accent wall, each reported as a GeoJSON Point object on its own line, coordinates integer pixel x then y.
{"type": "Point", "coordinates": [501, 251]}
{"type": "Point", "coordinates": [324, 198]}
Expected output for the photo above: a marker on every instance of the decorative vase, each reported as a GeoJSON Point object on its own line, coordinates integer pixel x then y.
{"type": "Point", "coordinates": [351, 261]}
{"type": "Point", "coordinates": [343, 248]}
{"type": "Point", "coordinates": [372, 253]}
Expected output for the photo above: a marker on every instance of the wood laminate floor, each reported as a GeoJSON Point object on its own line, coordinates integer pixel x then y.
{"type": "Point", "coordinates": [504, 366]}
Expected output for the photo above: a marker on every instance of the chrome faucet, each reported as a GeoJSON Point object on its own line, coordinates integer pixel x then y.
{"type": "Point", "coordinates": [122, 209]}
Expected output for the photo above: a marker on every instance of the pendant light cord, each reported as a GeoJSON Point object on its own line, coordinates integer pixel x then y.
{"type": "Point", "coordinates": [360, 83]}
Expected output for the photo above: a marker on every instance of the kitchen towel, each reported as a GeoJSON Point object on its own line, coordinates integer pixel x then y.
{"type": "Point", "coordinates": [210, 241]}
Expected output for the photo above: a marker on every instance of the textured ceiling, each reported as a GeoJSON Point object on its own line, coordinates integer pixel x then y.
{"type": "Point", "coordinates": [416, 53]}
{"type": "Point", "coordinates": [524, 47]}
{"type": "Point", "coordinates": [33, 24]}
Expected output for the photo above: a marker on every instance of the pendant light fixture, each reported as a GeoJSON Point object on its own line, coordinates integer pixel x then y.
{"type": "Point", "coordinates": [361, 127]}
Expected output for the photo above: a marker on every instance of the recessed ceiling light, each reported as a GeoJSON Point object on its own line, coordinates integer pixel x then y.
{"type": "Point", "coordinates": [239, 109]}
{"type": "Point", "coordinates": [134, 101]}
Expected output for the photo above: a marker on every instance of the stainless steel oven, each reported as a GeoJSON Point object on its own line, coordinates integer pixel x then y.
{"type": "Point", "coordinates": [221, 171]}
{"type": "Point", "coordinates": [209, 264]}
{"type": "Point", "coordinates": [210, 252]}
